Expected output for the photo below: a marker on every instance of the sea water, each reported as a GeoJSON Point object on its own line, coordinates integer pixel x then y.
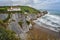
{"type": "Point", "coordinates": [54, 12]}
{"type": "Point", "coordinates": [50, 20]}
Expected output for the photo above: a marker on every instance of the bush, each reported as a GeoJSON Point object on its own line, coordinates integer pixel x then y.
{"type": "Point", "coordinates": [28, 22]}
{"type": "Point", "coordinates": [7, 34]}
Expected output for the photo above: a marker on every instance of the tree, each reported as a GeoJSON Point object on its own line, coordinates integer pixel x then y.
{"type": "Point", "coordinates": [7, 34]}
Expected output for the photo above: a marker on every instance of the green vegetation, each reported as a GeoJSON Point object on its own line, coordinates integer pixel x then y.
{"type": "Point", "coordinates": [28, 22]}
{"type": "Point", "coordinates": [29, 9]}
{"type": "Point", "coordinates": [7, 34]}
{"type": "Point", "coordinates": [3, 9]}
{"type": "Point", "coordinates": [7, 19]}
{"type": "Point", "coordinates": [5, 22]}
{"type": "Point", "coordinates": [2, 23]}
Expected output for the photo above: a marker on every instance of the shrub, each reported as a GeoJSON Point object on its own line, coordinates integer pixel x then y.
{"type": "Point", "coordinates": [7, 34]}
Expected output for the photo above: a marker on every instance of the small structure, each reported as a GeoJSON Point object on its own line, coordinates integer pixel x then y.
{"type": "Point", "coordinates": [14, 8]}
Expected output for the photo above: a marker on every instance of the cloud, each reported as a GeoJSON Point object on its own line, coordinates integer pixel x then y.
{"type": "Point", "coordinates": [39, 4]}
{"type": "Point", "coordinates": [46, 4]}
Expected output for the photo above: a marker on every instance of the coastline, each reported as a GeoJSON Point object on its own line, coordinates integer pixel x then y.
{"type": "Point", "coordinates": [37, 33]}
{"type": "Point", "coordinates": [54, 34]}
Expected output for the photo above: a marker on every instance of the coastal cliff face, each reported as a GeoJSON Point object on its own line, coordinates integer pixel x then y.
{"type": "Point", "coordinates": [20, 23]}
{"type": "Point", "coordinates": [15, 18]}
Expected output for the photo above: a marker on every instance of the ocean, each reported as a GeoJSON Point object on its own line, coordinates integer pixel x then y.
{"type": "Point", "coordinates": [54, 12]}
{"type": "Point", "coordinates": [51, 20]}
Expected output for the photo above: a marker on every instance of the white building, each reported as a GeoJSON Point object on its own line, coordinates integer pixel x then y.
{"type": "Point", "coordinates": [14, 9]}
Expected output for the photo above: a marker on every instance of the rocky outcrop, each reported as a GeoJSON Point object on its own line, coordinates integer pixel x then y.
{"type": "Point", "coordinates": [17, 17]}
{"type": "Point", "coordinates": [3, 16]}
{"type": "Point", "coordinates": [14, 19]}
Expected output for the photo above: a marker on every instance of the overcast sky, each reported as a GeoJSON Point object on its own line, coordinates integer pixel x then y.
{"type": "Point", "coordinates": [39, 4]}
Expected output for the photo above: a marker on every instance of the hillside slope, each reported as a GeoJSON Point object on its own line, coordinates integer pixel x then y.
{"type": "Point", "coordinates": [23, 9]}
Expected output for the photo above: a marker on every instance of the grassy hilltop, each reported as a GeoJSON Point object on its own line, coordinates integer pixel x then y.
{"type": "Point", "coordinates": [23, 9]}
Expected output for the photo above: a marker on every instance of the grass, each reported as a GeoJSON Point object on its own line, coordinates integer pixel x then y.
{"type": "Point", "coordinates": [6, 21]}
{"type": "Point", "coordinates": [29, 9]}
{"type": "Point", "coordinates": [23, 9]}
{"type": "Point", "coordinates": [28, 22]}
{"type": "Point", "coordinates": [2, 23]}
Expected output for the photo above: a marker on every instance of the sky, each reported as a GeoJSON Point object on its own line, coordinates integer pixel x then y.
{"type": "Point", "coordinates": [38, 4]}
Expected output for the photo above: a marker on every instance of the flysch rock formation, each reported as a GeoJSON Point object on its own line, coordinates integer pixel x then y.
{"type": "Point", "coordinates": [3, 16]}
{"type": "Point", "coordinates": [14, 26]}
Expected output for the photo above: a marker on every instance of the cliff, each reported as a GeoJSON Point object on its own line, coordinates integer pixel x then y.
{"type": "Point", "coordinates": [18, 18]}
{"type": "Point", "coordinates": [23, 9]}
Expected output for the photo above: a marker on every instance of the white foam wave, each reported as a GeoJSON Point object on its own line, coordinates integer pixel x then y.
{"type": "Point", "coordinates": [51, 20]}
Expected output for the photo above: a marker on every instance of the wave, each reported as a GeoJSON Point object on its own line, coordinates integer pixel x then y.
{"type": "Point", "coordinates": [51, 20]}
